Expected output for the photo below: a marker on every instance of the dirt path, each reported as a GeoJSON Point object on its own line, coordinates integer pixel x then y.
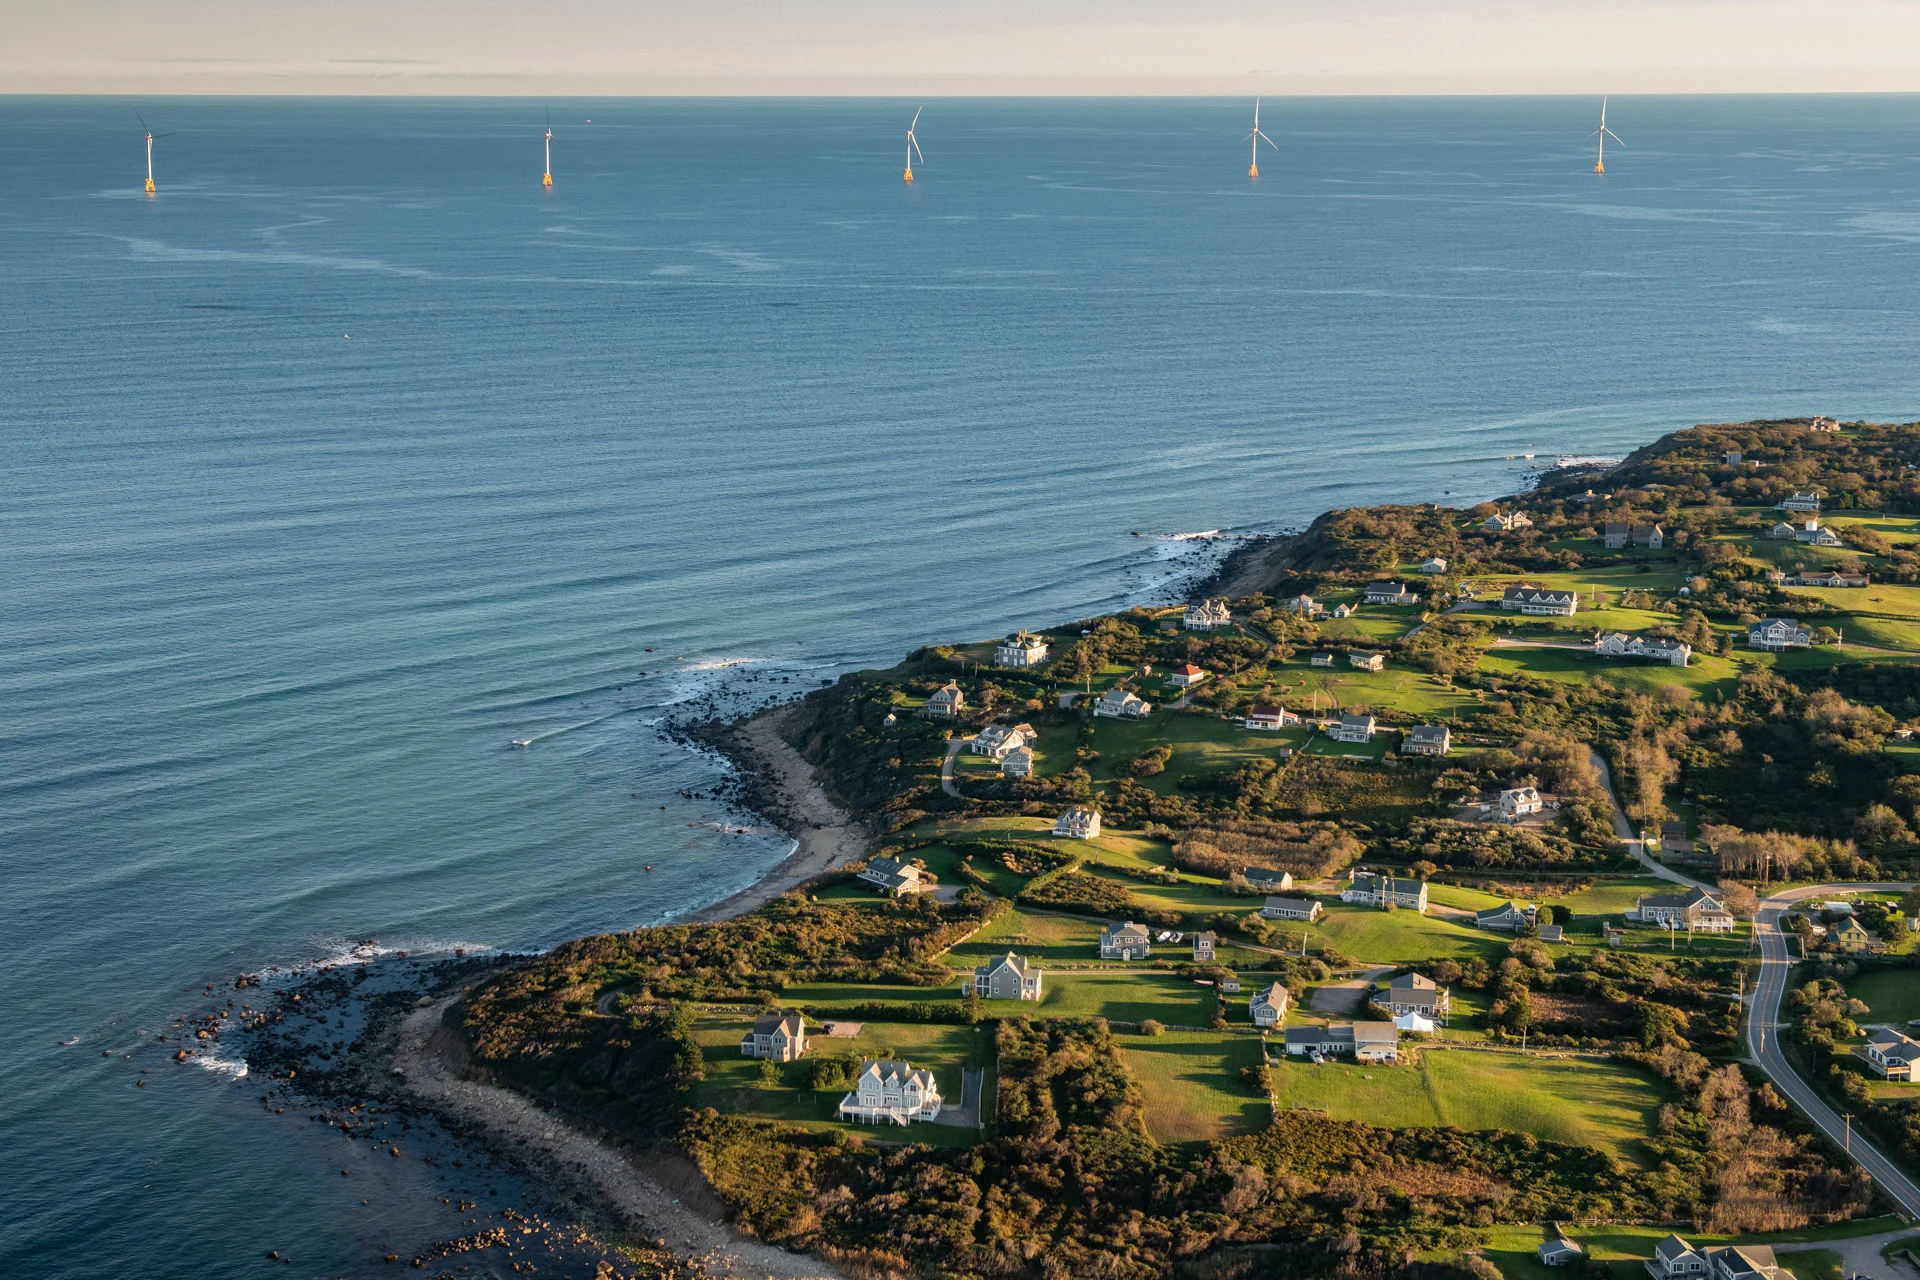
{"type": "Point", "coordinates": [427, 1053]}
{"type": "Point", "coordinates": [825, 836]}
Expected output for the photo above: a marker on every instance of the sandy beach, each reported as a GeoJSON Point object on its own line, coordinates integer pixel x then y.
{"type": "Point", "coordinates": [667, 1200]}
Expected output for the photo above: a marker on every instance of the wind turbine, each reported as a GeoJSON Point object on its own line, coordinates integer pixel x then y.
{"type": "Point", "coordinates": [546, 175]}
{"type": "Point", "coordinates": [150, 137]}
{"type": "Point", "coordinates": [913, 147]}
{"type": "Point", "coordinates": [1603, 133]}
{"type": "Point", "coordinates": [1256, 138]}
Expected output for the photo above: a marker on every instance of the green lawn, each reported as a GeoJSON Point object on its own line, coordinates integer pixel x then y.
{"type": "Point", "coordinates": [1610, 897]}
{"type": "Point", "coordinates": [1037, 937]}
{"type": "Point", "coordinates": [1374, 751]}
{"type": "Point", "coordinates": [1622, 1248]}
{"type": "Point", "coordinates": [1453, 895]}
{"type": "Point", "coordinates": [1125, 997]}
{"type": "Point", "coordinates": [1400, 937]}
{"type": "Point", "coordinates": [1202, 744]}
{"type": "Point", "coordinates": [1195, 897]}
{"type": "Point", "coordinates": [733, 1082]}
{"type": "Point", "coordinates": [1581, 1101]}
{"type": "Point", "coordinates": [1705, 674]}
{"type": "Point", "coordinates": [1396, 689]}
{"type": "Point", "coordinates": [1193, 1086]}
{"type": "Point", "coordinates": [1892, 994]}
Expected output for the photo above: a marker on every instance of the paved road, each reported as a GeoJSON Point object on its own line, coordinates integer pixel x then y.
{"type": "Point", "coordinates": [1624, 829]}
{"type": "Point", "coordinates": [954, 748]}
{"type": "Point", "coordinates": [1763, 1041]}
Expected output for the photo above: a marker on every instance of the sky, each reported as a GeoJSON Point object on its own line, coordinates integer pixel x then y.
{"type": "Point", "coordinates": [887, 47]}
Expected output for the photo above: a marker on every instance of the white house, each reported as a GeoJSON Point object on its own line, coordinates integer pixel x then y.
{"type": "Point", "coordinates": [1814, 536]}
{"type": "Point", "coordinates": [1267, 878]}
{"type": "Point", "coordinates": [1696, 909]}
{"type": "Point", "coordinates": [946, 702]}
{"type": "Point", "coordinates": [1008, 977]}
{"type": "Point", "coordinates": [1389, 593]}
{"type": "Point", "coordinates": [779, 1037]}
{"type": "Point", "coordinates": [1559, 1251]}
{"type": "Point", "coordinates": [1777, 634]}
{"type": "Point", "coordinates": [1127, 941]}
{"type": "Point", "coordinates": [1266, 715]}
{"type": "Point", "coordinates": [1497, 523]}
{"type": "Point", "coordinates": [1518, 802]}
{"type": "Point", "coordinates": [1121, 704]}
{"type": "Point", "coordinates": [1782, 532]}
{"type": "Point", "coordinates": [1303, 604]}
{"type": "Point", "coordinates": [1433, 565]}
{"type": "Point", "coordinates": [996, 740]}
{"type": "Point", "coordinates": [1320, 660]}
{"type": "Point", "coordinates": [1353, 728]}
{"type": "Point", "coordinates": [1802, 502]}
{"type": "Point", "coordinates": [1207, 615]}
{"type": "Point", "coordinates": [1891, 1054]}
{"type": "Point", "coordinates": [1618, 644]}
{"type": "Point", "coordinates": [1185, 676]}
{"type": "Point", "coordinates": [1021, 649]}
{"type": "Point", "coordinates": [893, 878]}
{"type": "Point", "coordinates": [1206, 945]}
{"type": "Point", "coordinates": [1364, 661]}
{"type": "Point", "coordinates": [1386, 891]}
{"type": "Point", "coordinates": [891, 1091]}
{"type": "Point", "coordinates": [1308, 909]}
{"type": "Point", "coordinates": [1675, 1259]}
{"type": "Point", "coordinates": [1269, 1007]}
{"type": "Point", "coordinates": [1427, 740]}
{"type": "Point", "coordinates": [1078, 824]}
{"type": "Point", "coordinates": [1540, 601]}
{"type": "Point", "coordinates": [1018, 763]}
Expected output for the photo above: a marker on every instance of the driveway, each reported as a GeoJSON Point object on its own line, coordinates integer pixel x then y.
{"type": "Point", "coordinates": [1763, 1042]}
{"type": "Point", "coordinates": [1624, 829]}
{"type": "Point", "coordinates": [1343, 998]}
{"type": "Point", "coordinates": [947, 784]}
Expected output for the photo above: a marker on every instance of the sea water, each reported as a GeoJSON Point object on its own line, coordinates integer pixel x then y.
{"type": "Point", "coordinates": [353, 457]}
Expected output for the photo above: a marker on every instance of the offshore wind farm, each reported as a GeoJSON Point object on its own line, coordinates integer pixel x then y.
{"type": "Point", "coordinates": [693, 429]}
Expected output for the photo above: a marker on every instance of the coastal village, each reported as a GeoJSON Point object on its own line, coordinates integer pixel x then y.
{"type": "Point", "coordinates": [1401, 895]}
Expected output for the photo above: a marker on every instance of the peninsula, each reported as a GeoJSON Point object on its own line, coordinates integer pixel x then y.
{"type": "Point", "coordinates": [1449, 893]}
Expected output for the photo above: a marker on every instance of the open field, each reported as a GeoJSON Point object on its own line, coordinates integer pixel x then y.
{"type": "Point", "coordinates": [1125, 997]}
{"type": "Point", "coordinates": [733, 1082]}
{"type": "Point", "coordinates": [1202, 744]}
{"type": "Point", "coordinates": [1193, 1086]}
{"type": "Point", "coordinates": [1892, 994]}
{"type": "Point", "coordinates": [1037, 937]}
{"type": "Point", "coordinates": [1453, 895]}
{"type": "Point", "coordinates": [1374, 751]}
{"type": "Point", "coordinates": [1610, 897]}
{"type": "Point", "coordinates": [1581, 1101]}
{"type": "Point", "coordinates": [1706, 674]}
{"type": "Point", "coordinates": [1395, 689]}
{"type": "Point", "coordinates": [1399, 937]}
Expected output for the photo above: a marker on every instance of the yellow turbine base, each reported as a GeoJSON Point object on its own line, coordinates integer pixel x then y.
{"type": "Point", "coordinates": [149, 186]}
{"type": "Point", "coordinates": [1600, 166]}
{"type": "Point", "coordinates": [546, 179]}
{"type": "Point", "coordinates": [909, 175]}
{"type": "Point", "coordinates": [1253, 171]}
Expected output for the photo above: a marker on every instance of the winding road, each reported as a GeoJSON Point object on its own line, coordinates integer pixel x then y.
{"type": "Point", "coordinates": [1763, 1040]}
{"type": "Point", "coordinates": [1763, 1015]}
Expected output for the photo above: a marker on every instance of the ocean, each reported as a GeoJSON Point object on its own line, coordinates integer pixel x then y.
{"type": "Point", "coordinates": [353, 457]}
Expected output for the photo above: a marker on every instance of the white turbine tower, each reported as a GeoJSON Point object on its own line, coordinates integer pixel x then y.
{"type": "Point", "coordinates": [913, 146]}
{"type": "Point", "coordinates": [1256, 138]}
{"type": "Point", "coordinates": [546, 174]}
{"type": "Point", "coordinates": [1603, 133]}
{"type": "Point", "coordinates": [150, 137]}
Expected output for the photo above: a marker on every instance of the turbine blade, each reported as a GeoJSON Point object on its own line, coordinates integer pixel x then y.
{"type": "Point", "coordinates": [916, 149]}
{"type": "Point", "coordinates": [142, 119]}
{"type": "Point", "coordinates": [1264, 138]}
{"type": "Point", "coordinates": [1615, 137]}
{"type": "Point", "coordinates": [1256, 115]}
{"type": "Point", "coordinates": [916, 118]}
